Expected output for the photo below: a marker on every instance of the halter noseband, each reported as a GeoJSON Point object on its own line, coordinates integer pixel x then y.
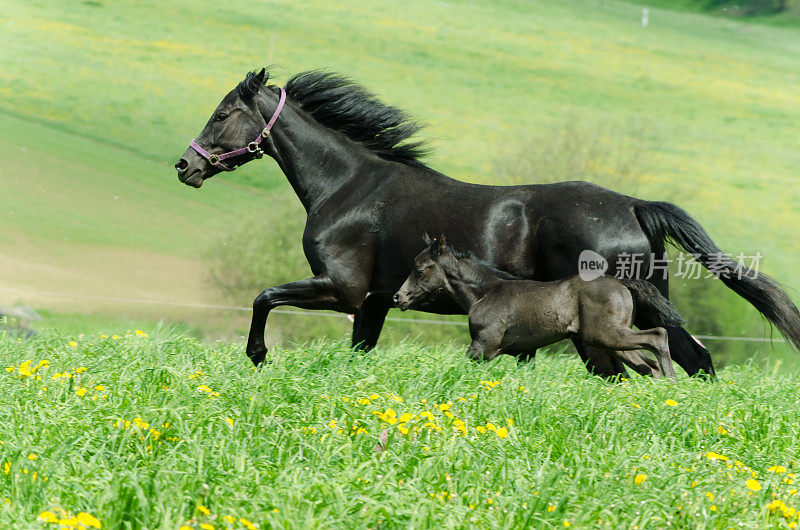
{"type": "Point", "coordinates": [253, 147]}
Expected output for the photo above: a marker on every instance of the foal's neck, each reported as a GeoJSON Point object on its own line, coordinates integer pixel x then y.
{"type": "Point", "coordinates": [470, 281]}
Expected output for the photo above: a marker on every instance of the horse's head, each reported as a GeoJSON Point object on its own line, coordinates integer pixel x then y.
{"type": "Point", "coordinates": [429, 276]}
{"type": "Point", "coordinates": [236, 131]}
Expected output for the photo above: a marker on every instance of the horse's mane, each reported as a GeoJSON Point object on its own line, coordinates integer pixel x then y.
{"type": "Point", "coordinates": [340, 104]}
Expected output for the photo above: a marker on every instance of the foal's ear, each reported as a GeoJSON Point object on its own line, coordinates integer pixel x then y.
{"type": "Point", "coordinates": [426, 239]}
{"type": "Point", "coordinates": [262, 76]}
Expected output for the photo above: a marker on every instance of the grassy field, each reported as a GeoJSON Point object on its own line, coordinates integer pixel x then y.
{"type": "Point", "coordinates": [99, 98]}
{"type": "Point", "coordinates": [154, 430]}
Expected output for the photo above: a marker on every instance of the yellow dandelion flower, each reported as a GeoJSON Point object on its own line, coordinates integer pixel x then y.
{"type": "Point", "coordinates": [711, 455]}
{"type": "Point", "coordinates": [404, 417]}
{"type": "Point", "coordinates": [481, 429]}
{"type": "Point", "coordinates": [721, 430]}
{"type": "Point", "coordinates": [202, 509]}
{"type": "Point", "coordinates": [275, 510]}
{"type": "Point", "coordinates": [25, 369]}
{"type": "Point", "coordinates": [710, 495]}
{"type": "Point", "coordinates": [510, 422]}
{"type": "Point", "coordinates": [33, 456]}
{"type": "Point", "coordinates": [139, 332]}
{"type": "Point", "coordinates": [48, 517]}
{"type": "Point", "coordinates": [115, 337]}
{"type": "Point", "coordinates": [777, 469]}
{"type": "Point", "coordinates": [713, 508]}
{"type": "Point", "coordinates": [81, 391]}
{"type": "Point", "coordinates": [73, 344]}
{"type": "Point", "coordinates": [566, 523]}
{"type": "Point", "coordinates": [206, 526]}
{"type": "Point", "coordinates": [423, 401]}
{"type": "Point", "coordinates": [551, 508]}
{"type": "Point", "coordinates": [753, 485]}
{"type": "Point", "coordinates": [491, 426]}
{"type": "Point", "coordinates": [374, 397]}
{"type": "Point", "coordinates": [100, 388]}
{"type": "Point", "coordinates": [502, 432]}
{"type": "Point", "coordinates": [230, 519]}
{"type": "Point", "coordinates": [444, 407]}
{"type": "Point", "coordinates": [88, 520]}
{"type": "Point", "coordinates": [640, 478]}
{"type": "Point", "coordinates": [671, 403]}
{"type": "Point", "coordinates": [247, 524]}
{"type": "Point", "coordinates": [7, 468]}
{"type": "Point", "coordinates": [229, 421]}
{"type": "Point", "coordinates": [185, 527]}
{"type": "Point", "coordinates": [363, 401]}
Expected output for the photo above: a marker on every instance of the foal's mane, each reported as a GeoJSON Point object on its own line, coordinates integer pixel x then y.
{"type": "Point", "coordinates": [469, 256]}
{"type": "Point", "coordinates": [340, 104]}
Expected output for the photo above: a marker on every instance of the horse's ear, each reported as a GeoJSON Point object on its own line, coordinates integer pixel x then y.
{"type": "Point", "coordinates": [442, 243]}
{"type": "Point", "coordinates": [262, 76]}
{"type": "Point", "coordinates": [426, 239]}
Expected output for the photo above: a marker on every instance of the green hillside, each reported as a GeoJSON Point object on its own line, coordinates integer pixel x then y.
{"type": "Point", "coordinates": [98, 99]}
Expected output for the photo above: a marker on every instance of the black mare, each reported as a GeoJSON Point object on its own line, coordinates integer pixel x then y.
{"type": "Point", "coordinates": [369, 200]}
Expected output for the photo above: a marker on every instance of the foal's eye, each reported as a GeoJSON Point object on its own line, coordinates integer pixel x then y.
{"type": "Point", "coordinates": [418, 272]}
{"type": "Point", "coordinates": [221, 116]}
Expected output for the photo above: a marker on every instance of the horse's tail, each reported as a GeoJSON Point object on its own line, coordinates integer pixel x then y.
{"type": "Point", "coordinates": [664, 221]}
{"type": "Point", "coordinates": [650, 303]}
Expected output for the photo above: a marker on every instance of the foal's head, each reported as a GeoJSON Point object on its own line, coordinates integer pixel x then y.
{"type": "Point", "coordinates": [429, 275]}
{"type": "Point", "coordinates": [235, 126]}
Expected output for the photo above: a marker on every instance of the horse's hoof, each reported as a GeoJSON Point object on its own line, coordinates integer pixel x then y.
{"type": "Point", "coordinates": [258, 357]}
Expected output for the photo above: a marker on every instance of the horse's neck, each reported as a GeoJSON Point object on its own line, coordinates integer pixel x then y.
{"type": "Point", "coordinates": [470, 282]}
{"type": "Point", "coordinates": [316, 160]}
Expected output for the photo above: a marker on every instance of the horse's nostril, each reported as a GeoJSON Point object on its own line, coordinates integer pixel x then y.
{"type": "Point", "coordinates": [396, 298]}
{"type": "Point", "coordinates": [181, 165]}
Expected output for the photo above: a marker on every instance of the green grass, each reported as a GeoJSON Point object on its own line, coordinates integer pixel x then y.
{"type": "Point", "coordinates": [262, 445]}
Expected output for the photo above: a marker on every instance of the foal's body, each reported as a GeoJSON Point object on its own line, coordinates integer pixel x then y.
{"type": "Point", "coordinates": [514, 316]}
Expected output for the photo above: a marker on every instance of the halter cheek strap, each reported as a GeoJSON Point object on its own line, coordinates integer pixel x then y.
{"type": "Point", "coordinates": [253, 147]}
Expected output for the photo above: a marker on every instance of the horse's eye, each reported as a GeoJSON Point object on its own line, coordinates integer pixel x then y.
{"type": "Point", "coordinates": [221, 116]}
{"type": "Point", "coordinates": [418, 272]}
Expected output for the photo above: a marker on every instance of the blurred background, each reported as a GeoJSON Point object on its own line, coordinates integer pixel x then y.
{"type": "Point", "coordinates": [690, 101]}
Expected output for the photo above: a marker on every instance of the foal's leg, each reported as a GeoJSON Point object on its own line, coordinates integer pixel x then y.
{"type": "Point", "coordinates": [369, 321]}
{"type": "Point", "coordinates": [481, 351]}
{"type": "Point", "coordinates": [599, 362]}
{"type": "Point", "coordinates": [690, 355]}
{"type": "Point", "coordinates": [640, 364]}
{"type": "Point", "coordinates": [318, 292]}
{"type": "Point", "coordinates": [622, 338]}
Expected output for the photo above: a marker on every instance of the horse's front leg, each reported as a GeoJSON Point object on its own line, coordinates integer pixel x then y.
{"type": "Point", "coordinates": [369, 321]}
{"type": "Point", "coordinates": [318, 292]}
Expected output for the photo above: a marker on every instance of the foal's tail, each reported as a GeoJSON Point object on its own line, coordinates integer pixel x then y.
{"type": "Point", "coordinates": [649, 303]}
{"type": "Point", "coordinates": [664, 221]}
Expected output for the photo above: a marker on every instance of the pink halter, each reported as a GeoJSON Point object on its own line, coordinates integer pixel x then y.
{"type": "Point", "coordinates": [252, 147]}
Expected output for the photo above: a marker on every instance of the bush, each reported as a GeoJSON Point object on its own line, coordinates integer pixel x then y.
{"type": "Point", "coordinates": [579, 148]}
